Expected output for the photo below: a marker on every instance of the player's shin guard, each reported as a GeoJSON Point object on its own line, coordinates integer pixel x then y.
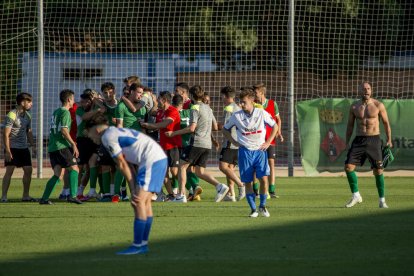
{"type": "Point", "coordinates": [50, 186]}
{"type": "Point", "coordinates": [251, 198]}
{"type": "Point", "coordinates": [93, 177]}
{"type": "Point", "coordinates": [147, 230]}
{"type": "Point", "coordinates": [263, 198]}
{"type": "Point", "coordinates": [73, 181]}
{"type": "Point", "coordinates": [139, 230]}
{"type": "Point", "coordinates": [353, 181]}
{"type": "Point", "coordinates": [379, 181]}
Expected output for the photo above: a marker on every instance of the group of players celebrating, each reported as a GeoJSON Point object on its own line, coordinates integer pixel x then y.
{"type": "Point", "coordinates": [181, 122]}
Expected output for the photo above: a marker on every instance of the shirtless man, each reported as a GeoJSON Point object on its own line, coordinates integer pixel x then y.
{"type": "Point", "coordinates": [366, 112]}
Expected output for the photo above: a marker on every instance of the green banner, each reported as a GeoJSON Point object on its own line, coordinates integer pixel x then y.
{"type": "Point", "coordinates": [322, 132]}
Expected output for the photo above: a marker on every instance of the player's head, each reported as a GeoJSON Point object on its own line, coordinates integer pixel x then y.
{"type": "Point", "coordinates": [228, 93]}
{"type": "Point", "coordinates": [177, 101]}
{"type": "Point", "coordinates": [365, 90]}
{"type": "Point", "coordinates": [247, 96]}
{"type": "Point", "coordinates": [182, 89]}
{"type": "Point", "coordinates": [67, 97]}
{"type": "Point", "coordinates": [206, 98]}
{"type": "Point", "coordinates": [260, 90]}
{"type": "Point", "coordinates": [24, 100]}
{"type": "Point", "coordinates": [108, 91]}
{"type": "Point", "coordinates": [91, 93]}
{"type": "Point", "coordinates": [86, 101]}
{"type": "Point", "coordinates": [197, 93]}
{"type": "Point", "coordinates": [136, 91]}
{"type": "Point", "coordinates": [164, 99]}
{"type": "Point", "coordinates": [128, 81]}
{"type": "Point", "coordinates": [96, 126]}
{"type": "Point", "coordinates": [148, 90]}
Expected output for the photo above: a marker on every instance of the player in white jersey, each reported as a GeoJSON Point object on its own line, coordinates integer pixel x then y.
{"type": "Point", "coordinates": [128, 146]}
{"type": "Point", "coordinates": [250, 123]}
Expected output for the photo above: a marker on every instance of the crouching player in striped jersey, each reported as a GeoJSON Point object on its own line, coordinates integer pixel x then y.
{"type": "Point", "coordinates": [128, 146]}
{"type": "Point", "coordinates": [250, 123]}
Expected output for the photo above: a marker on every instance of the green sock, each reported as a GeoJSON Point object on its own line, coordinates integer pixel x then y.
{"type": "Point", "coordinates": [50, 186]}
{"type": "Point", "coordinates": [73, 182]}
{"type": "Point", "coordinates": [353, 181]}
{"type": "Point", "coordinates": [100, 182]}
{"type": "Point", "coordinates": [272, 188]}
{"type": "Point", "coordinates": [194, 180]}
{"type": "Point", "coordinates": [174, 182]}
{"type": "Point", "coordinates": [119, 177]}
{"type": "Point", "coordinates": [93, 177]}
{"type": "Point", "coordinates": [379, 180]}
{"type": "Point", "coordinates": [106, 182]}
{"type": "Point", "coordinates": [255, 186]}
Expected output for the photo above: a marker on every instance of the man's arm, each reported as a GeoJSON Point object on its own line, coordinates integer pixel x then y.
{"type": "Point", "coordinates": [350, 125]}
{"type": "Point", "coordinates": [163, 124]}
{"type": "Point", "coordinates": [279, 125]}
{"type": "Point", "coordinates": [387, 127]}
{"type": "Point", "coordinates": [269, 140]}
{"type": "Point", "coordinates": [66, 135]}
{"type": "Point", "coordinates": [227, 135]}
{"type": "Point", "coordinates": [190, 129]}
{"type": "Point", "coordinates": [7, 131]}
{"type": "Point", "coordinates": [133, 108]}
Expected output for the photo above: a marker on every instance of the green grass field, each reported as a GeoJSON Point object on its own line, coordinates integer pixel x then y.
{"type": "Point", "coordinates": [309, 232]}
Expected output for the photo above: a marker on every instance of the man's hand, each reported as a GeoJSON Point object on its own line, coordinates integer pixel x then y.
{"type": "Point", "coordinates": [264, 146]}
{"type": "Point", "coordinates": [8, 156]}
{"type": "Point", "coordinates": [169, 134]}
{"type": "Point", "coordinates": [75, 151]}
{"type": "Point", "coordinates": [281, 138]}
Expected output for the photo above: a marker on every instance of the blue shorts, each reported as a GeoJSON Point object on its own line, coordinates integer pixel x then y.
{"type": "Point", "coordinates": [252, 161]}
{"type": "Point", "coordinates": [150, 176]}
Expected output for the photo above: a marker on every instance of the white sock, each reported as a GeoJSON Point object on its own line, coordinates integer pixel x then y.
{"type": "Point", "coordinates": [357, 194]}
{"type": "Point", "coordinates": [382, 199]}
{"type": "Point", "coordinates": [92, 191]}
{"type": "Point", "coordinates": [66, 192]}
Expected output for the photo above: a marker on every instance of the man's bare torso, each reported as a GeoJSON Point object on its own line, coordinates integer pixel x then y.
{"type": "Point", "coordinates": [367, 117]}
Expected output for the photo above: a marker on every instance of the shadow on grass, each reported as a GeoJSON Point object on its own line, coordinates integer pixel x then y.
{"type": "Point", "coordinates": [378, 244]}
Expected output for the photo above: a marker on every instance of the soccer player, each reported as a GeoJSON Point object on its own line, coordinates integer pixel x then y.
{"type": "Point", "coordinates": [229, 152]}
{"type": "Point", "coordinates": [86, 146]}
{"type": "Point", "coordinates": [63, 151]}
{"type": "Point", "coordinates": [201, 122]}
{"type": "Point", "coordinates": [183, 89]}
{"type": "Point", "coordinates": [366, 113]}
{"type": "Point", "coordinates": [272, 108]}
{"type": "Point", "coordinates": [168, 119]}
{"type": "Point", "coordinates": [250, 123]}
{"type": "Point", "coordinates": [18, 138]}
{"type": "Point", "coordinates": [128, 146]}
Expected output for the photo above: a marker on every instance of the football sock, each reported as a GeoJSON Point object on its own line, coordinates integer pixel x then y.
{"type": "Point", "coordinates": [106, 182]}
{"type": "Point", "coordinates": [174, 182]}
{"type": "Point", "coordinates": [118, 180]}
{"type": "Point", "coordinates": [66, 191]}
{"type": "Point", "coordinates": [124, 182]}
{"type": "Point", "coordinates": [263, 198]}
{"type": "Point", "coordinates": [194, 180]}
{"type": "Point", "coordinates": [379, 180]}
{"type": "Point", "coordinates": [251, 200]}
{"type": "Point", "coordinates": [353, 181]}
{"type": "Point", "coordinates": [147, 230]}
{"type": "Point", "coordinates": [139, 229]}
{"type": "Point", "coordinates": [93, 177]}
{"type": "Point", "coordinates": [272, 188]}
{"type": "Point", "coordinates": [81, 188]}
{"type": "Point", "coordinates": [256, 187]}
{"type": "Point", "coordinates": [112, 189]}
{"type": "Point", "coordinates": [50, 186]}
{"type": "Point", "coordinates": [73, 181]}
{"type": "Point", "coordinates": [100, 182]}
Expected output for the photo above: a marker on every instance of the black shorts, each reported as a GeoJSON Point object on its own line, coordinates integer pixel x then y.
{"type": "Point", "coordinates": [104, 157]}
{"type": "Point", "coordinates": [195, 156]}
{"type": "Point", "coordinates": [229, 156]}
{"type": "Point", "coordinates": [364, 147]}
{"type": "Point", "coordinates": [271, 152]}
{"type": "Point", "coordinates": [173, 157]}
{"type": "Point", "coordinates": [63, 157]}
{"type": "Point", "coordinates": [21, 158]}
{"type": "Point", "coordinates": [86, 148]}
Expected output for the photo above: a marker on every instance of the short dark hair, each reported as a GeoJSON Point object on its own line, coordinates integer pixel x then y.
{"type": "Point", "coordinates": [23, 97]}
{"type": "Point", "coordinates": [228, 91]}
{"type": "Point", "coordinates": [97, 119]}
{"type": "Point", "coordinates": [135, 86]}
{"type": "Point", "coordinates": [85, 96]}
{"type": "Point", "coordinates": [177, 100]}
{"type": "Point", "coordinates": [166, 95]}
{"type": "Point", "coordinates": [197, 92]}
{"type": "Point", "coordinates": [106, 86]}
{"type": "Point", "coordinates": [247, 91]}
{"type": "Point", "coordinates": [183, 85]}
{"type": "Point", "coordinates": [65, 95]}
